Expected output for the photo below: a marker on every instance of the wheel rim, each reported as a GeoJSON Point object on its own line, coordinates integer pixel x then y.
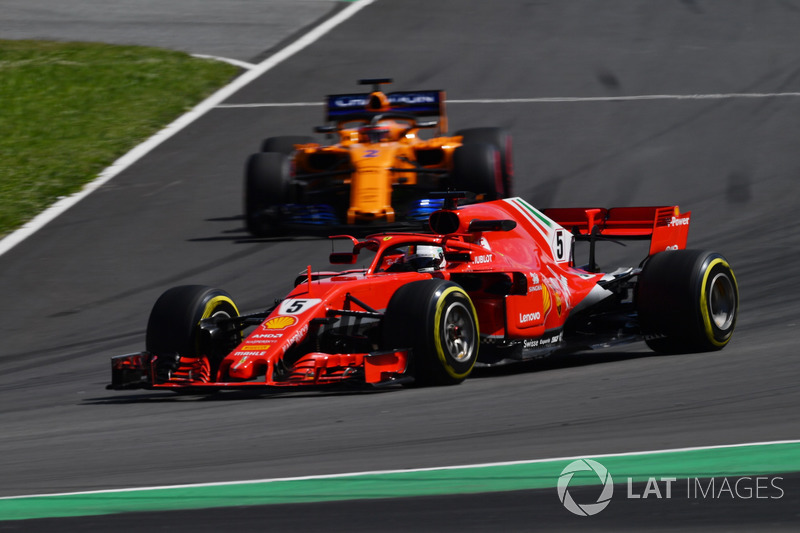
{"type": "Point", "coordinates": [722, 301]}
{"type": "Point", "coordinates": [459, 332]}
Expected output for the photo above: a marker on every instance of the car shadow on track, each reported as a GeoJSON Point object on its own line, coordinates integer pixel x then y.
{"type": "Point", "coordinates": [559, 361]}
{"type": "Point", "coordinates": [297, 232]}
{"type": "Point", "coordinates": [240, 235]}
{"type": "Point", "coordinates": [224, 396]}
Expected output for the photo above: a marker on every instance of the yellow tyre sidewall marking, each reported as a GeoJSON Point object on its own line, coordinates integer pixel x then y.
{"type": "Point", "coordinates": [214, 302]}
{"type": "Point", "coordinates": [440, 352]}
{"type": "Point", "coordinates": [704, 302]}
{"type": "Point", "coordinates": [208, 310]}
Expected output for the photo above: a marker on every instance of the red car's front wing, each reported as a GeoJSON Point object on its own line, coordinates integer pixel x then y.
{"type": "Point", "coordinates": [313, 370]}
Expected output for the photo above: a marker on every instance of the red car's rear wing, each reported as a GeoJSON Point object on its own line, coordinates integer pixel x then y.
{"type": "Point", "coordinates": [666, 227]}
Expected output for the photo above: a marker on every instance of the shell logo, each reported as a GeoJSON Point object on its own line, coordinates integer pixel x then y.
{"type": "Point", "coordinates": [279, 322]}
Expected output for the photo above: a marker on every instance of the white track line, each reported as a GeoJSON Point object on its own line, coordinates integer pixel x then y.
{"type": "Point", "coordinates": [719, 96]}
{"type": "Point", "coordinates": [410, 470]}
{"type": "Point", "coordinates": [179, 124]}
{"type": "Point", "coordinates": [556, 99]}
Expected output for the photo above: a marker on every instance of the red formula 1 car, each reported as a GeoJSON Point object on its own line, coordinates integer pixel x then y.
{"type": "Point", "coordinates": [493, 283]}
{"type": "Point", "coordinates": [378, 171]}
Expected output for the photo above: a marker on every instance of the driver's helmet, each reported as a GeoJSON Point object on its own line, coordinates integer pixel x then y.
{"type": "Point", "coordinates": [424, 257]}
{"type": "Point", "coordinates": [384, 130]}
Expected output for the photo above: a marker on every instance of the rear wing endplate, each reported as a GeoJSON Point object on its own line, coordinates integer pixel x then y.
{"type": "Point", "coordinates": [665, 226]}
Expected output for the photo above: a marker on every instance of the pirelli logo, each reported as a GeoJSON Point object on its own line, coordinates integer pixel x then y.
{"type": "Point", "coordinates": [255, 347]}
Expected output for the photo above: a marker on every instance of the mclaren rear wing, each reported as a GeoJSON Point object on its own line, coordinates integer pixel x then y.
{"type": "Point", "coordinates": [666, 227]}
{"type": "Point", "coordinates": [342, 107]}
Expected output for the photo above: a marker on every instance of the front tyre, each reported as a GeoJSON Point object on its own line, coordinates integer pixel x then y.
{"type": "Point", "coordinates": [173, 329]}
{"type": "Point", "coordinates": [437, 320]}
{"type": "Point", "coordinates": [268, 186]}
{"type": "Point", "coordinates": [688, 301]}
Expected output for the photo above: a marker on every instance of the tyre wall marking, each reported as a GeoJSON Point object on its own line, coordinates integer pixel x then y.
{"type": "Point", "coordinates": [211, 304]}
{"type": "Point", "coordinates": [437, 338]}
{"type": "Point", "coordinates": [704, 302]}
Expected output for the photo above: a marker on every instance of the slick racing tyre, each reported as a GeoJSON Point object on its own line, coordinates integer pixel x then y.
{"type": "Point", "coordinates": [268, 185]}
{"type": "Point", "coordinates": [501, 140]}
{"type": "Point", "coordinates": [437, 320]}
{"type": "Point", "coordinates": [284, 144]}
{"type": "Point", "coordinates": [477, 168]}
{"type": "Point", "coordinates": [173, 327]}
{"type": "Point", "coordinates": [687, 301]}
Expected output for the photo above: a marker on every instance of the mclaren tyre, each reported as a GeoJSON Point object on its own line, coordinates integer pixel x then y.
{"type": "Point", "coordinates": [477, 167]}
{"type": "Point", "coordinates": [501, 140]}
{"type": "Point", "coordinates": [687, 301]}
{"type": "Point", "coordinates": [437, 320]}
{"type": "Point", "coordinates": [268, 185]}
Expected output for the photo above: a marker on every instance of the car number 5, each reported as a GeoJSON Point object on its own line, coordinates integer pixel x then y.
{"type": "Point", "coordinates": [561, 246]}
{"type": "Point", "coordinates": [292, 306]}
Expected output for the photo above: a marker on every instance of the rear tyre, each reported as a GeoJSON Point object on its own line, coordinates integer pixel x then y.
{"type": "Point", "coordinates": [267, 187]}
{"type": "Point", "coordinates": [284, 144]}
{"type": "Point", "coordinates": [437, 320]}
{"type": "Point", "coordinates": [477, 168]}
{"type": "Point", "coordinates": [688, 301]}
{"type": "Point", "coordinates": [173, 327]}
{"type": "Point", "coordinates": [501, 139]}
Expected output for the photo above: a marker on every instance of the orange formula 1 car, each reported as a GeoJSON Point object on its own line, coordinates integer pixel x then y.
{"type": "Point", "coordinates": [379, 171]}
{"type": "Point", "coordinates": [494, 283]}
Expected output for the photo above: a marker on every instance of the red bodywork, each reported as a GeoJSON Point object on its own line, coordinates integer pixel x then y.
{"type": "Point", "coordinates": [516, 263]}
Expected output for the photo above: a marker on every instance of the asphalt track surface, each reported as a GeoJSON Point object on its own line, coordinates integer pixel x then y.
{"type": "Point", "coordinates": [242, 30]}
{"type": "Point", "coordinates": [81, 288]}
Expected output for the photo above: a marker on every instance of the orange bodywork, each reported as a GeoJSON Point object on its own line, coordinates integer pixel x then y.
{"type": "Point", "coordinates": [376, 168]}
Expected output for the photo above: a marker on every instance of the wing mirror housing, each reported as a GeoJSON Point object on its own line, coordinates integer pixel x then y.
{"type": "Point", "coordinates": [343, 258]}
{"type": "Point", "coordinates": [491, 225]}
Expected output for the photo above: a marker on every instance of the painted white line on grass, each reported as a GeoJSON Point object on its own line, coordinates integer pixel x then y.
{"type": "Point", "coordinates": [234, 62]}
{"type": "Point", "coordinates": [407, 471]}
{"type": "Point", "coordinates": [199, 110]}
{"type": "Point", "coordinates": [555, 99]}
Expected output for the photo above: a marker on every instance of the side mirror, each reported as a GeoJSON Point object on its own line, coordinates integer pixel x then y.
{"type": "Point", "coordinates": [343, 258]}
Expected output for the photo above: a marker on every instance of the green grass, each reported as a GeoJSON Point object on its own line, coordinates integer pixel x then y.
{"type": "Point", "coordinates": [68, 110]}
